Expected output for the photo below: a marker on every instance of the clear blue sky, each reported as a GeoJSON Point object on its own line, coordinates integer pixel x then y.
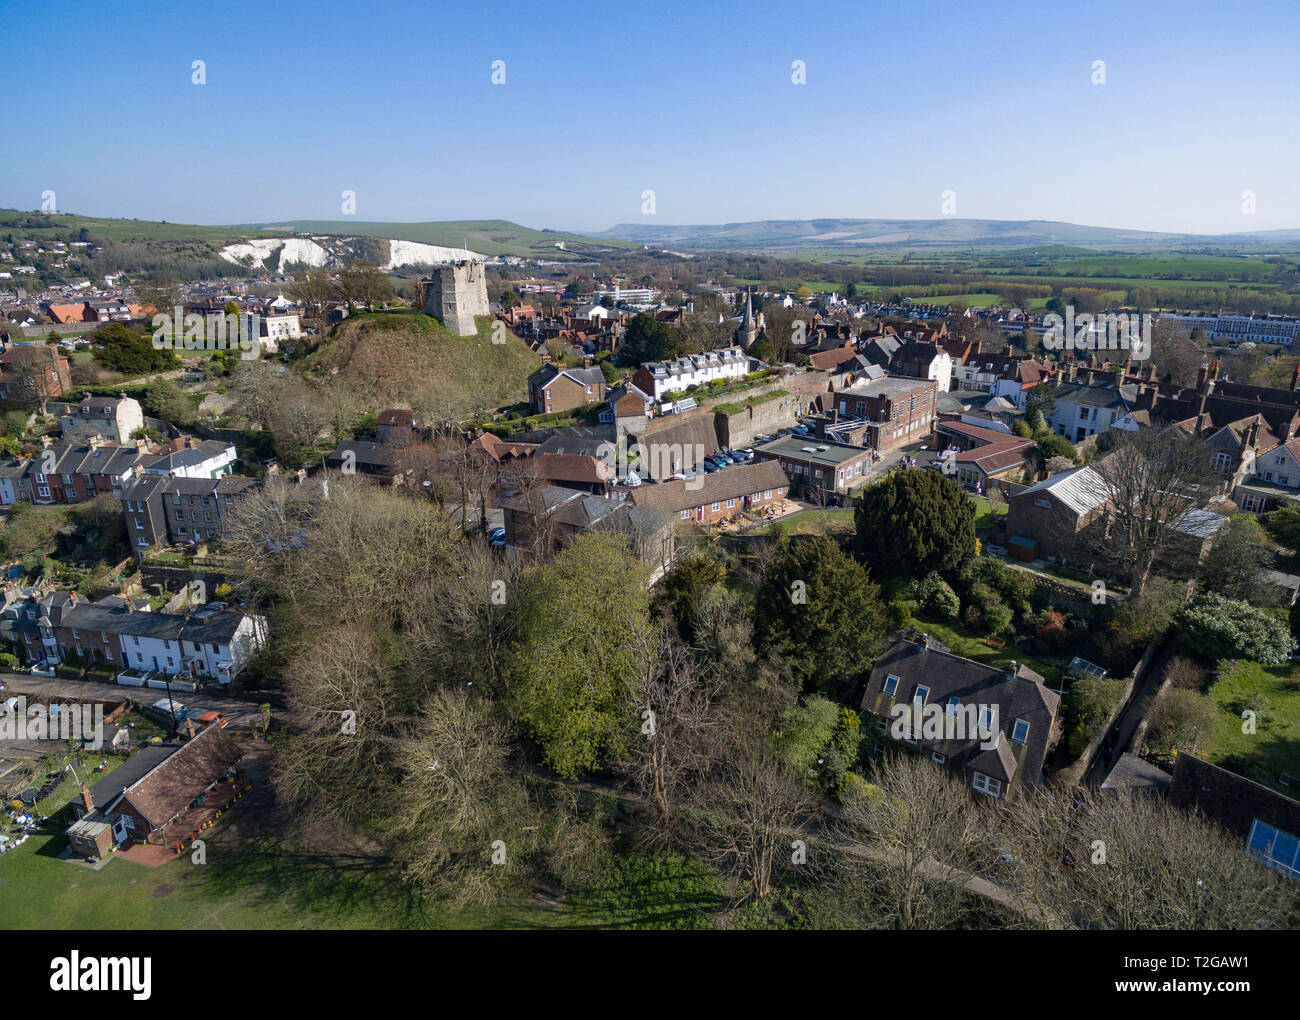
{"type": "Point", "coordinates": [691, 99]}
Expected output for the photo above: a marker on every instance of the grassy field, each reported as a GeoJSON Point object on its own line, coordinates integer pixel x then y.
{"type": "Point", "coordinates": [1273, 692]}
{"type": "Point", "coordinates": [263, 886]}
{"type": "Point", "coordinates": [968, 644]}
{"type": "Point", "coordinates": [60, 224]}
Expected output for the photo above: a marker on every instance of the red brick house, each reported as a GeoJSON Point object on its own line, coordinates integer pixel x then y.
{"type": "Point", "coordinates": [898, 412]}
{"type": "Point", "coordinates": [552, 388]}
{"type": "Point", "coordinates": [142, 797]}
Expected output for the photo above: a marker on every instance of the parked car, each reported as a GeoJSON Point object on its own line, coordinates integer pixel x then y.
{"type": "Point", "coordinates": [497, 538]}
{"type": "Point", "coordinates": [748, 453]}
{"type": "Point", "coordinates": [711, 466]}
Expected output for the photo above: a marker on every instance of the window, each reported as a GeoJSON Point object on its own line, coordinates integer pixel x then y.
{"type": "Point", "coordinates": [686, 515]}
{"type": "Point", "coordinates": [767, 493]}
{"type": "Point", "coordinates": [939, 758]}
{"type": "Point", "coordinates": [922, 692]}
{"type": "Point", "coordinates": [952, 706]}
{"type": "Point", "coordinates": [731, 503]}
{"type": "Point", "coordinates": [987, 785]}
{"type": "Point", "coordinates": [716, 507]}
{"type": "Point", "coordinates": [1275, 848]}
{"type": "Point", "coordinates": [986, 719]}
{"type": "Point", "coordinates": [891, 684]}
{"type": "Point", "coordinates": [1020, 732]}
{"type": "Point", "coordinates": [882, 725]}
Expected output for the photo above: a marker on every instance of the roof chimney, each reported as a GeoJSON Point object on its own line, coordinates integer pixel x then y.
{"type": "Point", "coordinates": [85, 798]}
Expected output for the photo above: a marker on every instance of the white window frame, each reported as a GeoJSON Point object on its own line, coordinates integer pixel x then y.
{"type": "Point", "coordinates": [987, 785]}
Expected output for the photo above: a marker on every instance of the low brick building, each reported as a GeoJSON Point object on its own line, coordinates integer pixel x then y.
{"type": "Point", "coordinates": [552, 388]}
{"type": "Point", "coordinates": [710, 498]}
{"type": "Point", "coordinates": [823, 466]}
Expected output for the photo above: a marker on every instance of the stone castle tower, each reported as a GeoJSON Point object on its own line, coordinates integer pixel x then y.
{"type": "Point", "coordinates": [456, 293]}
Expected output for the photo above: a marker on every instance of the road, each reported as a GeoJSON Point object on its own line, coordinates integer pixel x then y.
{"type": "Point", "coordinates": [239, 712]}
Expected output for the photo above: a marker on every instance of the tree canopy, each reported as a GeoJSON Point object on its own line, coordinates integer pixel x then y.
{"type": "Point", "coordinates": [913, 522]}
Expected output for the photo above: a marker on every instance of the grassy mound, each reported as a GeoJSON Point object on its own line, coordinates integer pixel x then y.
{"type": "Point", "coordinates": [407, 359]}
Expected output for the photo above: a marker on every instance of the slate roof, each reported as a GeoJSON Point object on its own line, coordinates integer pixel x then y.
{"type": "Point", "coordinates": [1022, 697]}
{"type": "Point", "coordinates": [729, 483]}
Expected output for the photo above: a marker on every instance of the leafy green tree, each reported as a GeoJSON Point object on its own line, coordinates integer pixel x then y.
{"type": "Point", "coordinates": [647, 339]}
{"type": "Point", "coordinates": [682, 589]}
{"type": "Point", "coordinates": [121, 350]}
{"type": "Point", "coordinates": [167, 401]}
{"type": "Point", "coordinates": [819, 610]}
{"type": "Point", "coordinates": [574, 658]}
{"type": "Point", "coordinates": [1284, 525]}
{"type": "Point", "coordinates": [1223, 628]}
{"type": "Point", "coordinates": [1053, 445]}
{"type": "Point", "coordinates": [1236, 563]}
{"type": "Point", "coordinates": [913, 522]}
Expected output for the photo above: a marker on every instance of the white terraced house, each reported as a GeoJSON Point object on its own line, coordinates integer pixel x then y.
{"type": "Point", "coordinates": [660, 377]}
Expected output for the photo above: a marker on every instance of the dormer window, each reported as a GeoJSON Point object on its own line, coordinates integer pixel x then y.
{"type": "Point", "coordinates": [891, 685]}
{"type": "Point", "coordinates": [1020, 732]}
{"type": "Point", "coordinates": [922, 692]}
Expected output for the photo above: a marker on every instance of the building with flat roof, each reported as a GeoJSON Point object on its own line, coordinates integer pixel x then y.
{"type": "Point", "coordinates": [818, 465]}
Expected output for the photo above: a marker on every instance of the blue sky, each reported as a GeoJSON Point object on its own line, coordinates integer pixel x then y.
{"type": "Point", "coordinates": [693, 100]}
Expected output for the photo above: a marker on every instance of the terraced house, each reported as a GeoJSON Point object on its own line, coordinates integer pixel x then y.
{"type": "Point", "coordinates": [77, 472]}
{"type": "Point", "coordinates": [660, 377]}
{"type": "Point", "coordinates": [179, 511]}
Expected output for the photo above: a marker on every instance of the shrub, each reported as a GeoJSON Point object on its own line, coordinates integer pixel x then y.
{"type": "Point", "coordinates": [997, 619]}
{"type": "Point", "coordinates": [1051, 630]}
{"type": "Point", "coordinates": [936, 595]}
{"type": "Point", "coordinates": [899, 613]}
{"type": "Point", "coordinates": [1222, 628]}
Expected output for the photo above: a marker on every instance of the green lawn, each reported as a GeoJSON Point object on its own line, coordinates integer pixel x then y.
{"type": "Point", "coordinates": [968, 644]}
{"type": "Point", "coordinates": [1274, 693]}
{"type": "Point", "coordinates": [264, 885]}
{"type": "Point", "coordinates": [985, 511]}
{"type": "Point", "coordinates": [812, 522]}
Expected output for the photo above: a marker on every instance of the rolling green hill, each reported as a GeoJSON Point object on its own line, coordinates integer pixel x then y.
{"type": "Point", "coordinates": [35, 226]}
{"type": "Point", "coordinates": [491, 237]}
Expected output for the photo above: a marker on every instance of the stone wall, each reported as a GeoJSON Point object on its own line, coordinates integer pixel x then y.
{"type": "Point", "coordinates": [455, 294]}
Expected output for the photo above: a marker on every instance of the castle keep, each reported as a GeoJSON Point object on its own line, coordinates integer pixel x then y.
{"type": "Point", "coordinates": [456, 293]}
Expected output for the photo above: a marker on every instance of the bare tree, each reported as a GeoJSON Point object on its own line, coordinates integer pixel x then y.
{"type": "Point", "coordinates": [751, 816]}
{"type": "Point", "coordinates": [921, 833]}
{"type": "Point", "coordinates": [1137, 862]}
{"type": "Point", "coordinates": [678, 713]}
{"type": "Point", "coordinates": [459, 804]}
{"type": "Point", "coordinates": [1152, 480]}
